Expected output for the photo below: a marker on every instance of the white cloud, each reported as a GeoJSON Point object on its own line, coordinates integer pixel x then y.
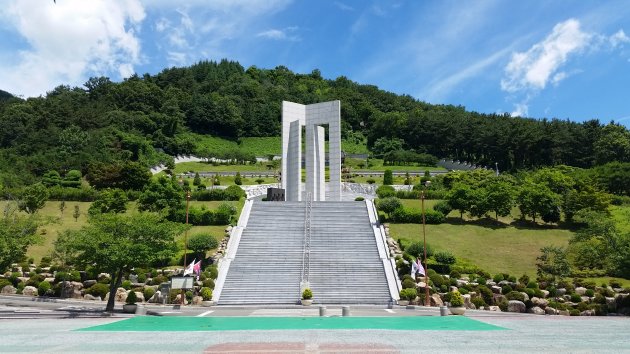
{"type": "Point", "coordinates": [343, 6]}
{"type": "Point", "coordinates": [520, 110]}
{"type": "Point", "coordinates": [532, 70]}
{"type": "Point", "coordinates": [69, 41]}
{"type": "Point", "coordinates": [284, 34]}
{"type": "Point", "coordinates": [618, 38]}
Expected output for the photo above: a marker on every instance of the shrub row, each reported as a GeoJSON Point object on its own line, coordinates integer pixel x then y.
{"type": "Point", "coordinates": [414, 216]}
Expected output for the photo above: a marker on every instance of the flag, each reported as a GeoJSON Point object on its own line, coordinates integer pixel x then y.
{"type": "Point", "coordinates": [197, 269]}
{"type": "Point", "coordinates": [416, 267]}
{"type": "Point", "coordinates": [190, 269]}
{"type": "Point", "coordinates": [420, 268]}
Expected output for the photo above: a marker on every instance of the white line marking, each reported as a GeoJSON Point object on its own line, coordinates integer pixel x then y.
{"type": "Point", "coordinates": [205, 313]}
{"type": "Point", "coordinates": [390, 310]}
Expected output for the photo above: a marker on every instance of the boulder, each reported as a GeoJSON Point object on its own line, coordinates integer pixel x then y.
{"type": "Point", "coordinates": [525, 296]}
{"type": "Point", "coordinates": [580, 290]}
{"type": "Point", "coordinates": [496, 289]}
{"type": "Point", "coordinates": [8, 289]}
{"type": "Point", "coordinates": [139, 296]}
{"type": "Point", "coordinates": [453, 288]}
{"type": "Point", "coordinates": [104, 275]}
{"type": "Point", "coordinates": [436, 300]}
{"type": "Point", "coordinates": [178, 299]}
{"type": "Point", "coordinates": [585, 299]}
{"type": "Point", "coordinates": [29, 291]}
{"type": "Point", "coordinates": [536, 310]}
{"type": "Point", "coordinates": [421, 284]}
{"type": "Point", "coordinates": [121, 295]}
{"type": "Point", "coordinates": [561, 291]}
{"type": "Point", "coordinates": [490, 283]}
{"type": "Point", "coordinates": [71, 290]}
{"type": "Point", "coordinates": [545, 292]}
{"type": "Point", "coordinates": [551, 311]}
{"type": "Point", "coordinates": [611, 303]}
{"type": "Point", "coordinates": [461, 282]}
{"type": "Point", "coordinates": [89, 283]}
{"type": "Point", "coordinates": [156, 298]}
{"type": "Point", "coordinates": [51, 280]}
{"type": "Point", "coordinates": [498, 298]}
{"type": "Point", "coordinates": [564, 313]}
{"type": "Point", "coordinates": [494, 308]}
{"type": "Point", "coordinates": [516, 306]}
{"type": "Point", "coordinates": [91, 297]}
{"type": "Point", "coordinates": [539, 302]}
{"type": "Point", "coordinates": [133, 278]}
{"type": "Point", "coordinates": [196, 300]}
{"type": "Point", "coordinates": [228, 229]}
{"type": "Point", "coordinates": [587, 313]}
{"type": "Point", "coordinates": [467, 302]}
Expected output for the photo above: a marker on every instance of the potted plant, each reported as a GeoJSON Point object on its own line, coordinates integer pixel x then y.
{"type": "Point", "coordinates": [456, 303]}
{"type": "Point", "coordinates": [307, 297]}
{"type": "Point", "coordinates": [407, 295]}
{"type": "Point", "coordinates": [206, 295]}
{"type": "Point", "coordinates": [130, 304]}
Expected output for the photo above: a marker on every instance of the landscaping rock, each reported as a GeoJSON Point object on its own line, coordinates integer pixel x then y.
{"type": "Point", "coordinates": [585, 299]}
{"type": "Point", "coordinates": [196, 300]}
{"type": "Point", "coordinates": [228, 229]}
{"type": "Point", "coordinates": [494, 308]}
{"type": "Point", "coordinates": [498, 298]}
{"type": "Point", "coordinates": [525, 296]}
{"type": "Point", "coordinates": [156, 298]}
{"type": "Point", "coordinates": [461, 282]}
{"type": "Point", "coordinates": [467, 302]}
{"type": "Point", "coordinates": [536, 310]}
{"type": "Point", "coordinates": [516, 306]}
{"type": "Point", "coordinates": [29, 291]}
{"type": "Point", "coordinates": [50, 279]}
{"type": "Point", "coordinates": [436, 300]}
{"type": "Point", "coordinates": [551, 311]}
{"type": "Point", "coordinates": [564, 313]}
{"type": "Point", "coordinates": [561, 291]}
{"type": "Point", "coordinates": [545, 292]}
{"type": "Point", "coordinates": [178, 299]}
{"type": "Point", "coordinates": [587, 313]}
{"type": "Point", "coordinates": [139, 296]}
{"type": "Point", "coordinates": [71, 290]}
{"type": "Point", "coordinates": [580, 290]}
{"type": "Point", "coordinates": [496, 289]}
{"type": "Point", "coordinates": [453, 288]}
{"type": "Point", "coordinates": [104, 275]}
{"type": "Point", "coordinates": [89, 283]}
{"type": "Point", "coordinates": [539, 302]}
{"type": "Point", "coordinates": [121, 295]}
{"type": "Point", "coordinates": [8, 289]}
{"type": "Point", "coordinates": [91, 297]}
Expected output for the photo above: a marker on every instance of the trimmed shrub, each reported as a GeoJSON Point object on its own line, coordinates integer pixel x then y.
{"type": "Point", "coordinates": [126, 284]}
{"type": "Point", "coordinates": [497, 278]}
{"type": "Point", "coordinates": [385, 191]}
{"type": "Point", "coordinates": [529, 291]}
{"type": "Point", "coordinates": [576, 298]}
{"type": "Point", "coordinates": [437, 280]}
{"type": "Point", "coordinates": [408, 294]}
{"type": "Point", "coordinates": [478, 302]}
{"type": "Point", "coordinates": [307, 294]}
{"type": "Point", "coordinates": [132, 298]}
{"type": "Point", "coordinates": [455, 274]}
{"type": "Point", "coordinates": [371, 181]}
{"type": "Point", "coordinates": [98, 289]}
{"type": "Point", "coordinates": [388, 177]}
{"type": "Point", "coordinates": [574, 312]}
{"type": "Point", "coordinates": [234, 192]}
{"type": "Point", "coordinates": [444, 257]}
{"type": "Point", "coordinates": [532, 285]}
{"type": "Point", "coordinates": [408, 284]}
{"type": "Point", "coordinates": [515, 295]}
{"type": "Point", "coordinates": [4, 282]}
{"type": "Point", "coordinates": [148, 293]}
{"type": "Point", "coordinates": [43, 288]}
{"type": "Point", "coordinates": [208, 283]}
{"type": "Point", "coordinates": [456, 299]}
{"type": "Point", "coordinates": [416, 249]}
{"type": "Point", "coordinates": [206, 293]}
{"type": "Point", "coordinates": [506, 289]}
{"type": "Point", "coordinates": [389, 204]}
{"type": "Point", "coordinates": [463, 291]}
{"type": "Point", "coordinates": [214, 272]}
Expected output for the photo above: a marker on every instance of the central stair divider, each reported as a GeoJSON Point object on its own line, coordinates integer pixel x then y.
{"type": "Point", "coordinates": [306, 252]}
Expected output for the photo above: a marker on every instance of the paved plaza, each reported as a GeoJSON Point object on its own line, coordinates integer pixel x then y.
{"type": "Point", "coordinates": [242, 330]}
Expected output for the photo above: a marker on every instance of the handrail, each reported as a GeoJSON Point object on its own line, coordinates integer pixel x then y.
{"type": "Point", "coordinates": [306, 248]}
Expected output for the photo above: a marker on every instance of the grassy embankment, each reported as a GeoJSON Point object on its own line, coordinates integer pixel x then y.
{"type": "Point", "coordinates": [58, 222]}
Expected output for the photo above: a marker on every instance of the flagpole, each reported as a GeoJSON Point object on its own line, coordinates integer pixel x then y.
{"type": "Point", "coordinates": [183, 296]}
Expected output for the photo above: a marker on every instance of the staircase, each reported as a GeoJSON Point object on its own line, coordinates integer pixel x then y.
{"type": "Point", "coordinates": [344, 266]}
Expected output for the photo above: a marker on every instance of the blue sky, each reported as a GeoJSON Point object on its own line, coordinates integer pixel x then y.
{"type": "Point", "coordinates": [555, 59]}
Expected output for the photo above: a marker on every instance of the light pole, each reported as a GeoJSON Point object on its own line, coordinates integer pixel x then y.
{"type": "Point", "coordinates": [427, 301]}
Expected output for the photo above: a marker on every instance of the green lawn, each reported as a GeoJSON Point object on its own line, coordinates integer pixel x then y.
{"type": "Point", "coordinates": [184, 167]}
{"type": "Point", "coordinates": [262, 146]}
{"type": "Point", "coordinates": [495, 249]}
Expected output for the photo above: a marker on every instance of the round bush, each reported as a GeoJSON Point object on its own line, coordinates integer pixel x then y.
{"type": "Point", "coordinates": [408, 294]}
{"type": "Point", "coordinates": [506, 289]}
{"type": "Point", "coordinates": [43, 288]}
{"type": "Point", "coordinates": [532, 285]}
{"type": "Point", "coordinates": [478, 302]}
{"type": "Point", "coordinates": [589, 293]}
{"type": "Point", "coordinates": [126, 284]}
{"type": "Point", "coordinates": [385, 191]}
{"type": "Point", "coordinates": [515, 295]}
{"type": "Point", "coordinates": [443, 207]}
{"type": "Point", "coordinates": [437, 280]}
{"type": "Point", "coordinates": [98, 289]}
{"type": "Point", "coordinates": [444, 257]}
{"type": "Point", "coordinates": [201, 243]}
{"type": "Point", "coordinates": [234, 192]}
{"type": "Point", "coordinates": [463, 291]}
{"type": "Point", "coordinates": [497, 278]}
{"type": "Point", "coordinates": [307, 294]}
{"type": "Point", "coordinates": [574, 312]}
{"type": "Point", "coordinates": [206, 293]}
{"type": "Point", "coordinates": [455, 274]}
{"type": "Point", "coordinates": [456, 299]}
{"type": "Point", "coordinates": [530, 292]}
{"type": "Point", "coordinates": [408, 284]}
{"type": "Point", "coordinates": [208, 283]}
{"type": "Point", "coordinates": [576, 298]}
{"type": "Point", "coordinates": [417, 249]}
{"type": "Point", "coordinates": [148, 292]}
{"type": "Point", "coordinates": [132, 298]}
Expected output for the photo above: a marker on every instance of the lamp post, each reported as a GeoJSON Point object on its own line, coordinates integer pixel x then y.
{"type": "Point", "coordinates": [427, 301]}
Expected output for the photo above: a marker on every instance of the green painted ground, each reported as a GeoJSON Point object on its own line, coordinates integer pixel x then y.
{"type": "Point", "coordinates": [180, 324]}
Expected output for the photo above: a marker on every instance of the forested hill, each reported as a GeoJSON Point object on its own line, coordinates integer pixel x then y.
{"type": "Point", "coordinates": [139, 119]}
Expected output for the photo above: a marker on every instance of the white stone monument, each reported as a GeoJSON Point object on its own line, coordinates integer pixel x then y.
{"type": "Point", "coordinates": [311, 117]}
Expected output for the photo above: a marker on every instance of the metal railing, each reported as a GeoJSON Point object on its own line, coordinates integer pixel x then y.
{"type": "Point", "coordinates": [306, 251]}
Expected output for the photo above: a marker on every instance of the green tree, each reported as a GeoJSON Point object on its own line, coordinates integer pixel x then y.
{"type": "Point", "coordinates": [76, 213]}
{"type": "Point", "coordinates": [17, 233]}
{"type": "Point", "coordinates": [237, 179]}
{"type": "Point", "coordinates": [536, 200]}
{"type": "Point", "coordinates": [160, 194]}
{"type": "Point", "coordinates": [552, 263]}
{"type": "Point", "coordinates": [62, 206]}
{"type": "Point", "coordinates": [109, 201]}
{"type": "Point", "coordinates": [197, 179]}
{"type": "Point", "coordinates": [116, 243]}
{"type": "Point", "coordinates": [499, 197]}
{"type": "Point", "coordinates": [33, 198]}
{"type": "Point", "coordinates": [201, 243]}
{"type": "Point", "coordinates": [389, 204]}
{"type": "Point", "coordinates": [388, 178]}
{"type": "Point", "coordinates": [460, 198]}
